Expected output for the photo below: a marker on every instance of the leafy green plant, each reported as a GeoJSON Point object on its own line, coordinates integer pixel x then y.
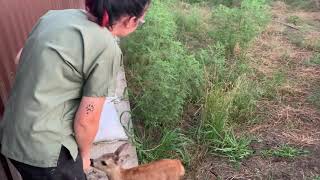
{"type": "Point", "coordinates": [193, 22]}
{"type": "Point", "coordinates": [240, 25]}
{"type": "Point", "coordinates": [166, 74]}
{"type": "Point", "coordinates": [162, 70]}
{"type": "Point", "coordinates": [167, 85]}
{"type": "Point", "coordinates": [173, 144]}
{"type": "Point", "coordinates": [285, 151]}
{"type": "Point", "coordinates": [189, 19]}
{"type": "Point", "coordinates": [294, 20]}
{"type": "Point", "coordinates": [163, 78]}
{"type": "Point", "coordinates": [155, 39]}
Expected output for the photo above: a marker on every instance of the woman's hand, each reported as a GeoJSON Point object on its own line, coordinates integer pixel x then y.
{"type": "Point", "coordinates": [86, 162]}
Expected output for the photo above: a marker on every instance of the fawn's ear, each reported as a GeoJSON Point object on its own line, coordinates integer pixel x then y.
{"type": "Point", "coordinates": [121, 148]}
{"type": "Point", "coordinates": [119, 160]}
{"type": "Point", "coordinates": [123, 158]}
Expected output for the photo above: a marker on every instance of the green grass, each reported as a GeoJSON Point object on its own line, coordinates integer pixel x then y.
{"type": "Point", "coordinates": [314, 98]}
{"type": "Point", "coordinates": [181, 56]}
{"type": "Point", "coordinates": [223, 108]}
{"type": "Point", "coordinates": [285, 151]}
{"type": "Point", "coordinates": [294, 20]}
{"type": "Point", "coordinates": [316, 178]}
{"type": "Point", "coordinates": [173, 144]}
{"type": "Point", "coordinates": [268, 86]}
{"type": "Point", "coordinates": [301, 4]}
{"type": "Point", "coordinates": [314, 60]}
{"type": "Point", "coordinates": [232, 147]}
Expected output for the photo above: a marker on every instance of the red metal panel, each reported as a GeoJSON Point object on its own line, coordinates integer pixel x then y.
{"type": "Point", "coordinates": [17, 18]}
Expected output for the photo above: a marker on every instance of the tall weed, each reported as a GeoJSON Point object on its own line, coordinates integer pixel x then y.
{"type": "Point", "coordinates": [166, 87]}
{"type": "Point", "coordinates": [173, 144]}
{"type": "Point", "coordinates": [221, 109]}
{"type": "Point", "coordinates": [239, 25]}
{"type": "Point", "coordinates": [155, 39]}
{"type": "Point", "coordinates": [167, 76]}
{"type": "Point", "coordinates": [192, 22]}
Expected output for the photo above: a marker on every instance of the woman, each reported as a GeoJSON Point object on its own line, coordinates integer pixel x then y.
{"type": "Point", "coordinates": [67, 68]}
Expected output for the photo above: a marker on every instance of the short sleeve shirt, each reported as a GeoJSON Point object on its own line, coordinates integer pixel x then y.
{"type": "Point", "coordinates": [66, 57]}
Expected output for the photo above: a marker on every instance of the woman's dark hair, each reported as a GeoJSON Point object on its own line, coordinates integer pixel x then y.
{"type": "Point", "coordinates": [114, 9]}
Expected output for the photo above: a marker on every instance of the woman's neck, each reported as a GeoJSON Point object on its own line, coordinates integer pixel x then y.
{"type": "Point", "coordinates": [94, 19]}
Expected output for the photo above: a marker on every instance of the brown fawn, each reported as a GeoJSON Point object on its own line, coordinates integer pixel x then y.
{"type": "Point", "coordinates": [165, 169]}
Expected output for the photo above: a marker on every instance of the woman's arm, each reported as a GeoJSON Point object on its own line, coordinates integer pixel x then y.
{"type": "Point", "coordinates": [86, 125]}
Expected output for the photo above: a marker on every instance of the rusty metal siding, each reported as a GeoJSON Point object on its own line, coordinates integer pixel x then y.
{"type": "Point", "coordinates": [17, 18]}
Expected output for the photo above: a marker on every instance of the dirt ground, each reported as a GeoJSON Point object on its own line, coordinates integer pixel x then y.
{"type": "Point", "coordinates": [290, 118]}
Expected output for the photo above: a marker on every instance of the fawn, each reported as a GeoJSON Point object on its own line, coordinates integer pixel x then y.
{"type": "Point", "coordinates": [166, 169]}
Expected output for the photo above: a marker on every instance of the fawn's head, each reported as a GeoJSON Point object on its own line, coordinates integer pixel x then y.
{"type": "Point", "coordinates": [111, 162]}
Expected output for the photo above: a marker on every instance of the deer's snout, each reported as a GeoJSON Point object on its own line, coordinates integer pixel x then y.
{"type": "Point", "coordinates": [91, 163]}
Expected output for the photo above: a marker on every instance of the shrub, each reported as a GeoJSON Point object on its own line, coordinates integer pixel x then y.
{"type": "Point", "coordinates": [167, 85]}
{"type": "Point", "coordinates": [166, 75]}
{"type": "Point", "coordinates": [155, 39]}
{"type": "Point", "coordinates": [188, 19]}
{"type": "Point", "coordinates": [238, 26]}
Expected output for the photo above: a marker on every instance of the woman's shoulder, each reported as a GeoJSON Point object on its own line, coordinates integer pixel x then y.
{"type": "Point", "coordinates": [76, 20]}
{"type": "Point", "coordinates": [72, 30]}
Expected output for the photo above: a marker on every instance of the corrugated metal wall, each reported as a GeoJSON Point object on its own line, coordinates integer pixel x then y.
{"type": "Point", "coordinates": [17, 18]}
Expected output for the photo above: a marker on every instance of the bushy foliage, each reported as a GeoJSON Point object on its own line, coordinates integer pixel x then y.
{"type": "Point", "coordinates": [188, 19]}
{"type": "Point", "coordinates": [180, 57]}
{"type": "Point", "coordinates": [167, 85]}
{"type": "Point", "coordinates": [169, 75]}
{"type": "Point", "coordinates": [239, 25]}
{"type": "Point", "coordinates": [155, 39]}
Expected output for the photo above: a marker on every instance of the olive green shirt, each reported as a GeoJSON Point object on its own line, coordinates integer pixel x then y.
{"type": "Point", "coordinates": [65, 57]}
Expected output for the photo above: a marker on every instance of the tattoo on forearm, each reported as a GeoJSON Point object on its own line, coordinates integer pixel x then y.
{"type": "Point", "coordinates": [89, 108]}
